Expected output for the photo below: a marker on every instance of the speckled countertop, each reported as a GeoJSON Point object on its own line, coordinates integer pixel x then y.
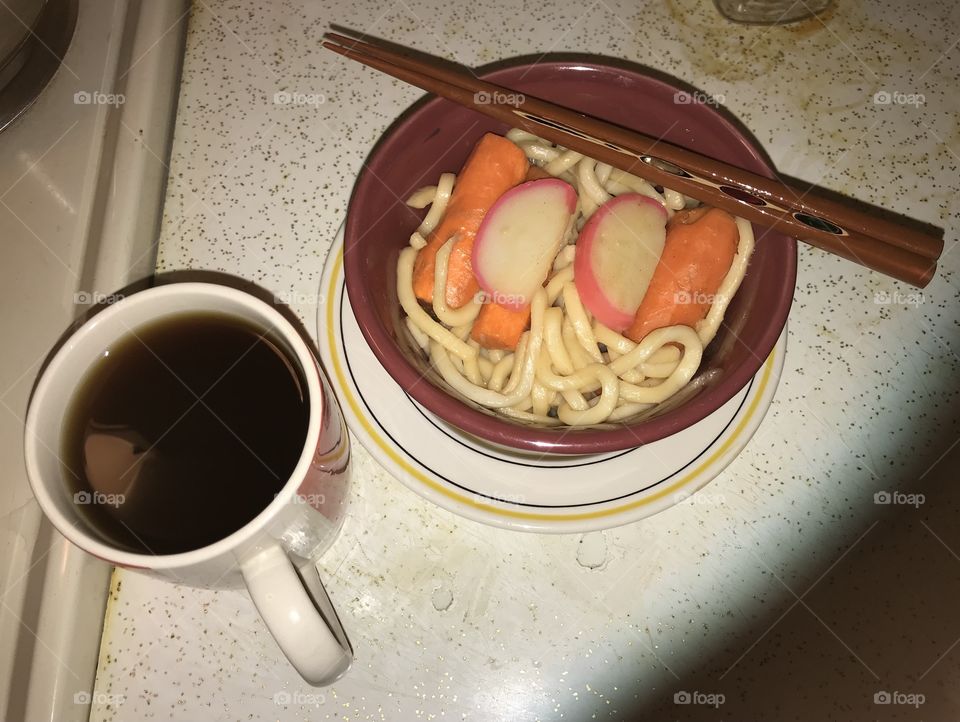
{"type": "Point", "coordinates": [794, 596]}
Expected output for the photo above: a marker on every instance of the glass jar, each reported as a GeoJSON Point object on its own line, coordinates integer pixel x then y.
{"type": "Point", "coordinates": [770, 12]}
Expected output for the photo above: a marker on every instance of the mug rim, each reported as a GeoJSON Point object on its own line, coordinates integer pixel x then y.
{"type": "Point", "coordinates": [87, 541]}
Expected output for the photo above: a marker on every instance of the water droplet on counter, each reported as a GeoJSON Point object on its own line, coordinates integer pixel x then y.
{"type": "Point", "coordinates": [442, 598]}
{"type": "Point", "coordinates": [592, 550]}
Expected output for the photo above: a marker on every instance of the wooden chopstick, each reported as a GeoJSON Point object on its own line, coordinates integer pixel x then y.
{"type": "Point", "coordinates": [893, 250]}
{"type": "Point", "coordinates": [778, 192]}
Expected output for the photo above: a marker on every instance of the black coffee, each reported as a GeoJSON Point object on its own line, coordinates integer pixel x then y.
{"type": "Point", "coordinates": [183, 431]}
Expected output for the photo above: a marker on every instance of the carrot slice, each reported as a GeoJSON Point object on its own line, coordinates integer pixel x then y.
{"type": "Point", "coordinates": [495, 166]}
{"type": "Point", "coordinates": [697, 254]}
{"type": "Point", "coordinates": [498, 327]}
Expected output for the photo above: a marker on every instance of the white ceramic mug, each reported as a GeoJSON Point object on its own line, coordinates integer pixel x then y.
{"type": "Point", "coordinates": [271, 553]}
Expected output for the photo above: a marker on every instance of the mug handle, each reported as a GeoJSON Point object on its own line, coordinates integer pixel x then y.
{"type": "Point", "coordinates": [299, 615]}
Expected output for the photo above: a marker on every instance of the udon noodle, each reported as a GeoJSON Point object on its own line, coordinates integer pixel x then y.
{"type": "Point", "coordinates": [568, 368]}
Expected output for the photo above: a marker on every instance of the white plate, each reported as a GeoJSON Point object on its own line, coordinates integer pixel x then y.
{"type": "Point", "coordinates": [518, 490]}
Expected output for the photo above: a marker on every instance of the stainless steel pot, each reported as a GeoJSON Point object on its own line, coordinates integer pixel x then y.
{"type": "Point", "coordinates": [34, 37]}
{"type": "Point", "coordinates": [18, 20]}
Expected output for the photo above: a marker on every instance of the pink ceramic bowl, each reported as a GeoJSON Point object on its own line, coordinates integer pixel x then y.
{"type": "Point", "coordinates": [437, 136]}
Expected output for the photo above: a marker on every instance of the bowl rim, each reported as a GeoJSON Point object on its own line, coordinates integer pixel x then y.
{"type": "Point", "coordinates": [503, 431]}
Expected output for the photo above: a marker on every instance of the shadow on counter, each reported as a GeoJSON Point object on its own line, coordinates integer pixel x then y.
{"type": "Point", "coordinates": [874, 634]}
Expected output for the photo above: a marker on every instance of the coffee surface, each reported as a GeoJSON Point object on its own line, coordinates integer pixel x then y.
{"type": "Point", "coordinates": [182, 432]}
